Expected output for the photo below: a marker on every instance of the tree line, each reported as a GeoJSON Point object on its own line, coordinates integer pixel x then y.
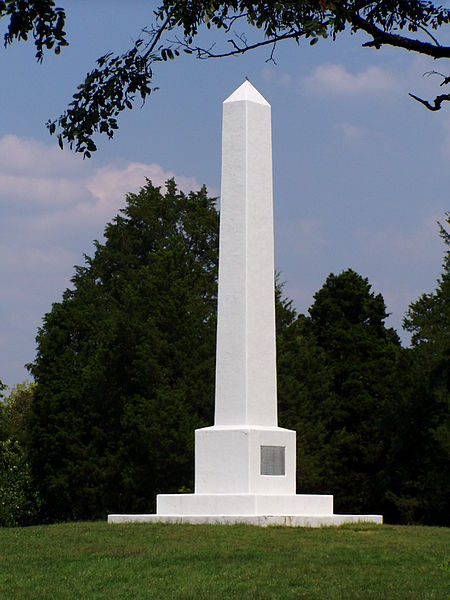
{"type": "Point", "coordinates": [124, 373]}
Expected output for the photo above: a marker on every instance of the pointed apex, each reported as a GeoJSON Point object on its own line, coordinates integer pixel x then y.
{"type": "Point", "coordinates": [247, 92]}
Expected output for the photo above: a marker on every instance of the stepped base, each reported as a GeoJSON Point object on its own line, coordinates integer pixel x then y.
{"type": "Point", "coordinates": [301, 510]}
{"type": "Point", "coordinates": [260, 520]}
{"type": "Point", "coordinates": [244, 504]}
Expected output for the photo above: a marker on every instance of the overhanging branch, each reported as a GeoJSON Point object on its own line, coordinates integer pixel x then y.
{"type": "Point", "coordinates": [437, 104]}
{"type": "Point", "coordinates": [204, 53]}
{"type": "Point", "coordinates": [381, 38]}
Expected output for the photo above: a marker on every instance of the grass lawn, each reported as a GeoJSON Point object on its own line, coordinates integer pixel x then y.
{"type": "Point", "coordinates": [100, 560]}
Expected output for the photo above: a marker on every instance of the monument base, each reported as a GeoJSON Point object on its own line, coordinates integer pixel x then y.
{"type": "Point", "coordinates": [259, 520]}
{"type": "Point", "coordinates": [295, 510]}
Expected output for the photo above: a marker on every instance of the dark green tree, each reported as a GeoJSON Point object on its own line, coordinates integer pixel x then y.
{"type": "Point", "coordinates": [358, 357]}
{"type": "Point", "coordinates": [125, 372]}
{"type": "Point", "coordinates": [19, 501]}
{"type": "Point", "coordinates": [424, 493]}
{"type": "Point", "coordinates": [125, 362]}
{"type": "Point", "coordinates": [428, 319]}
{"type": "Point", "coordinates": [3, 425]}
{"type": "Point", "coordinates": [372, 418]}
{"type": "Point", "coordinates": [304, 384]}
{"type": "Point", "coordinates": [246, 25]}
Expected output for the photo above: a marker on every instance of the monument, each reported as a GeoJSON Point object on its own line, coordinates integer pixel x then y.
{"type": "Point", "coordinates": [245, 465]}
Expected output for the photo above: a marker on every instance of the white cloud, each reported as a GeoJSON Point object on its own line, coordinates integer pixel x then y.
{"type": "Point", "coordinates": [32, 271]}
{"type": "Point", "coordinates": [420, 245]}
{"type": "Point", "coordinates": [110, 184]}
{"type": "Point", "coordinates": [43, 189]}
{"type": "Point", "coordinates": [350, 133]}
{"type": "Point", "coordinates": [403, 264]}
{"type": "Point", "coordinates": [19, 156]}
{"type": "Point", "coordinates": [300, 235]}
{"type": "Point", "coordinates": [272, 75]}
{"type": "Point", "coordinates": [336, 79]}
{"type": "Point", "coordinates": [446, 140]}
{"type": "Point", "coordinates": [23, 258]}
{"type": "Point", "coordinates": [53, 205]}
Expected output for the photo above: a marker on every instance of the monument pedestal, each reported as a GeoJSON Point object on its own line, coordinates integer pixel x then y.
{"type": "Point", "coordinates": [245, 475]}
{"type": "Point", "coordinates": [295, 510]}
{"type": "Point", "coordinates": [244, 460]}
{"type": "Point", "coordinates": [244, 504]}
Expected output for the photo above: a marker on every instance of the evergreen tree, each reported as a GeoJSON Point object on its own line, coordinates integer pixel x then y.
{"type": "Point", "coordinates": [125, 362]}
{"type": "Point", "coordinates": [303, 387]}
{"type": "Point", "coordinates": [425, 493]}
{"type": "Point", "coordinates": [428, 319]}
{"type": "Point", "coordinates": [358, 358]}
{"type": "Point", "coordinates": [125, 372]}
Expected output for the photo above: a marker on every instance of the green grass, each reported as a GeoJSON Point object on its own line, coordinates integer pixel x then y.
{"type": "Point", "coordinates": [97, 560]}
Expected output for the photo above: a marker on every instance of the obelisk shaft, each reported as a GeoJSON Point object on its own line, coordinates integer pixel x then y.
{"type": "Point", "coordinates": [245, 367]}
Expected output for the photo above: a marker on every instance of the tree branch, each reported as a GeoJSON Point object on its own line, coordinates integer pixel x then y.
{"type": "Point", "coordinates": [381, 38]}
{"type": "Point", "coordinates": [157, 35]}
{"type": "Point", "coordinates": [204, 53]}
{"type": "Point", "coordinates": [430, 35]}
{"type": "Point", "coordinates": [445, 79]}
{"type": "Point", "coordinates": [437, 101]}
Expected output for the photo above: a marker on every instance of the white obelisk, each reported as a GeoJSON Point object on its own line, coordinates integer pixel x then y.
{"type": "Point", "coordinates": [245, 367]}
{"type": "Point", "coordinates": [245, 465]}
{"type": "Point", "coordinates": [235, 455]}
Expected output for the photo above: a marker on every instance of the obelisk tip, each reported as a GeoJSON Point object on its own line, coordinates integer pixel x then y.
{"type": "Point", "coordinates": [248, 92]}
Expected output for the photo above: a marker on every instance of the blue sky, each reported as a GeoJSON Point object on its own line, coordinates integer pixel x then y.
{"type": "Point", "coordinates": [361, 172]}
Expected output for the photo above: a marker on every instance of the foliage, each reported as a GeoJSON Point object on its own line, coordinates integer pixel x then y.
{"type": "Point", "coordinates": [125, 363]}
{"type": "Point", "coordinates": [372, 418]}
{"type": "Point", "coordinates": [97, 560]}
{"type": "Point", "coordinates": [303, 388]}
{"type": "Point", "coordinates": [355, 359]}
{"type": "Point", "coordinates": [246, 25]}
{"type": "Point", "coordinates": [428, 319]}
{"type": "Point", "coordinates": [40, 18]}
{"type": "Point", "coordinates": [125, 372]}
{"type": "Point", "coordinates": [106, 92]}
{"type": "Point", "coordinates": [425, 486]}
{"type": "Point", "coordinates": [101, 96]}
{"type": "Point", "coordinates": [14, 412]}
{"type": "Point", "coordinates": [18, 500]}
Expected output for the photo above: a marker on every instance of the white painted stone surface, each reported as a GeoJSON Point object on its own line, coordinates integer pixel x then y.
{"type": "Point", "coordinates": [228, 455]}
{"type": "Point", "coordinates": [229, 484]}
{"type": "Point", "coordinates": [228, 460]}
{"type": "Point", "coordinates": [245, 361]}
{"type": "Point", "coordinates": [244, 504]}
{"type": "Point", "coordinates": [259, 520]}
